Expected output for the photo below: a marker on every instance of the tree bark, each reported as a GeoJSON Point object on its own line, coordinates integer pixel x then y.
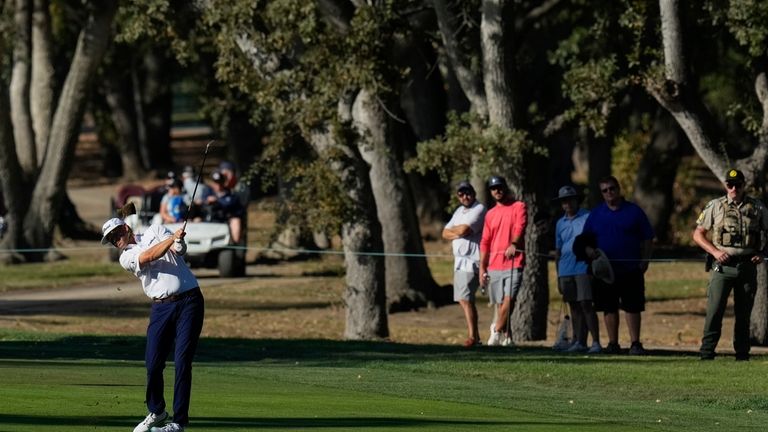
{"type": "Point", "coordinates": [409, 283]}
{"type": "Point", "coordinates": [14, 191]}
{"type": "Point", "coordinates": [41, 93]}
{"type": "Point", "coordinates": [49, 190]}
{"type": "Point", "coordinates": [21, 118]}
{"type": "Point", "coordinates": [119, 97]}
{"type": "Point", "coordinates": [365, 293]}
{"type": "Point", "coordinates": [156, 101]}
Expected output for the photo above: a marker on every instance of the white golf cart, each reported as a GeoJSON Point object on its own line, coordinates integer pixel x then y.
{"type": "Point", "coordinates": [209, 243]}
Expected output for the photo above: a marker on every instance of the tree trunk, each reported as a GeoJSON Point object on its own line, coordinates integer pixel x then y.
{"type": "Point", "coordinates": [365, 294]}
{"type": "Point", "coordinates": [157, 104]}
{"type": "Point", "coordinates": [41, 93]}
{"type": "Point", "coordinates": [119, 97]}
{"type": "Point", "coordinates": [21, 118]}
{"type": "Point", "coordinates": [15, 192]}
{"type": "Point", "coordinates": [49, 190]}
{"type": "Point", "coordinates": [599, 156]}
{"type": "Point", "coordinates": [529, 319]}
{"type": "Point", "coordinates": [656, 175]}
{"type": "Point", "coordinates": [409, 282]}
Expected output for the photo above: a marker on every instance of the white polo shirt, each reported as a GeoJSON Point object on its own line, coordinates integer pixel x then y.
{"type": "Point", "coordinates": [466, 250]}
{"type": "Point", "coordinates": [167, 275]}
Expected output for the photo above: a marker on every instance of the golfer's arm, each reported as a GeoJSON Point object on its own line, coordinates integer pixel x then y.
{"type": "Point", "coordinates": [156, 251]}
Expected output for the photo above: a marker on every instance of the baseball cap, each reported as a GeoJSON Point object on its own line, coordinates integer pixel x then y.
{"type": "Point", "coordinates": [567, 192]}
{"type": "Point", "coordinates": [108, 227]}
{"type": "Point", "coordinates": [217, 177]}
{"type": "Point", "coordinates": [497, 181]}
{"type": "Point", "coordinates": [188, 171]}
{"type": "Point", "coordinates": [226, 165]}
{"type": "Point", "coordinates": [734, 176]}
{"type": "Point", "coordinates": [464, 185]}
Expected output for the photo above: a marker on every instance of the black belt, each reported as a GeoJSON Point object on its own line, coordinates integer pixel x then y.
{"type": "Point", "coordinates": [738, 259]}
{"type": "Point", "coordinates": [177, 297]}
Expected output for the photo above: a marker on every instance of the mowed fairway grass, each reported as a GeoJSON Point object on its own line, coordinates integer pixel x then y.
{"type": "Point", "coordinates": [78, 383]}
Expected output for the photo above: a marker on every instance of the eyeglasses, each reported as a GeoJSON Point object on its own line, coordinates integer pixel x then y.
{"type": "Point", "coordinates": [496, 188]}
{"type": "Point", "coordinates": [116, 234]}
{"type": "Point", "coordinates": [609, 189]}
{"type": "Point", "coordinates": [730, 185]}
{"type": "Point", "coordinates": [463, 194]}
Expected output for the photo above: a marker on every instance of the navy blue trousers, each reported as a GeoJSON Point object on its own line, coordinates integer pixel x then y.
{"type": "Point", "coordinates": [173, 324]}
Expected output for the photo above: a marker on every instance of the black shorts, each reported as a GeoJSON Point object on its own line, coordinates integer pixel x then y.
{"type": "Point", "coordinates": [627, 292]}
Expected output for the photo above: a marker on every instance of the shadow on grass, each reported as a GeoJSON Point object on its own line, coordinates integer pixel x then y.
{"type": "Point", "coordinates": [229, 423]}
{"type": "Point", "coordinates": [309, 352]}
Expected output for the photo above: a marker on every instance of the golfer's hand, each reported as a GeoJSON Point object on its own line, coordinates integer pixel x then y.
{"type": "Point", "coordinates": [179, 234]}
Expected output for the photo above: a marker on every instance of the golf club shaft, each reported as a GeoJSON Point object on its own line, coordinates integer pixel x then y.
{"type": "Point", "coordinates": [199, 175]}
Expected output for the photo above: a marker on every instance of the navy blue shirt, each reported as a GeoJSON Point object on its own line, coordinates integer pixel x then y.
{"type": "Point", "coordinates": [620, 234]}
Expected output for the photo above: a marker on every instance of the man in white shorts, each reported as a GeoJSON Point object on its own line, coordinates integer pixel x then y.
{"type": "Point", "coordinates": [464, 230]}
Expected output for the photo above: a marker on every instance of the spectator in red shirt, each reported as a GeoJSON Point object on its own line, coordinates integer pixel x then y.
{"type": "Point", "coordinates": [502, 256]}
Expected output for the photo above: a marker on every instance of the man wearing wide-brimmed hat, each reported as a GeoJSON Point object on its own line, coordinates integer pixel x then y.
{"type": "Point", "coordinates": [737, 223]}
{"type": "Point", "coordinates": [573, 280]}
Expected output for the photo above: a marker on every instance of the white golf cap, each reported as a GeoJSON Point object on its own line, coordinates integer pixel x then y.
{"type": "Point", "coordinates": [108, 227]}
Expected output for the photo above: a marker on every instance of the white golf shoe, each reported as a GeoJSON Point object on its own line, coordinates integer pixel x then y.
{"type": "Point", "coordinates": [495, 338]}
{"type": "Point", "coordinates": [151, 421]}
{"type": "Point", "coordinates": [170, 427]}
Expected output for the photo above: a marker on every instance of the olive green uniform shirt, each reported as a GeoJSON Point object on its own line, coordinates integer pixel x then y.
{"type": "Point", "coordinates": [736, 228]}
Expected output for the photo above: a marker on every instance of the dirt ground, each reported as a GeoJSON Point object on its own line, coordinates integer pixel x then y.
{"type": "Point", "coordinates": [300, 299]}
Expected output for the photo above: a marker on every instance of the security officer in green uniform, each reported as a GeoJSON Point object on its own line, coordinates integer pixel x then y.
{"type": "Point", "coordinates": [737, 223]}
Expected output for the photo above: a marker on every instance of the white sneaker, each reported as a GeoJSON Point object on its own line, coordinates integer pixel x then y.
{"type": "Point", "coordinates": [596, 348]}
{"type": "Point", "coordinates": [577, 347]}
{"type": "Point", "coordinates": [495, 338]}
{"type": "Point", "coordinates": [170, 427]}
{"type": "Point", "coordinates": [150, 421]}
{"type": "Point", "coordinates": [507, 341]}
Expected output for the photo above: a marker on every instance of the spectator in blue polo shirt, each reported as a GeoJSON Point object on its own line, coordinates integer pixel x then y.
{"type": "Point", "coordinates": [573, 281]}
{"type": "Point", "coordinates": [624, 233]}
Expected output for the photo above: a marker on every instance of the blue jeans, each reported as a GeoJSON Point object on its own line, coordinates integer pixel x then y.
{"type": "Point", "coordinates": [179, 322]}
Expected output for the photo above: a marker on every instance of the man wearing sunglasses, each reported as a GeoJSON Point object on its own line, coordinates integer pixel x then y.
{"type": "Point", "coordinates": [176, 316]}
{"type": "Point", "coordinates": [737, 223]}
{"type": "Point", "coordinates": [624, 233]}
{"type": "Point", "coordinates": [502, 256]}
{"type": "Point", "coordinates": [464, 230]}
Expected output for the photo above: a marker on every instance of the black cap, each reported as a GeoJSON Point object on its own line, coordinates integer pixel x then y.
{"type": "Point", "coordinates": [497, 181]}
{"type": "Point", "coordinates": [734, 176]}
{"type": "Point", "coordinates": [464, 186]}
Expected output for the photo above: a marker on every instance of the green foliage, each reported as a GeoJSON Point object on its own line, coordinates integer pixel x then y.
{"type": "Point", "coordinates": [471, 146]}
{"type": "Point", "coordinates": [627, 153]}
{"type": "Point", "coordinates": [592, 87]}
{"type": "Point", "coordinates": [748, 22]}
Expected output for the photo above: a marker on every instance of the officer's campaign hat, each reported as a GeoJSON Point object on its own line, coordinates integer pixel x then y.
{"type": "Point", "coordinates": [734, 176]}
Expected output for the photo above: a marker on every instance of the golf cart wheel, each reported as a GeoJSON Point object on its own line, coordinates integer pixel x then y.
{"type": "Point", "coordinates": [229, 264]}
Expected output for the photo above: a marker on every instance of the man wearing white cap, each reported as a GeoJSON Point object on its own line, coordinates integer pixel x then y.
{"type": "Point", "coordinates": [176, 317]}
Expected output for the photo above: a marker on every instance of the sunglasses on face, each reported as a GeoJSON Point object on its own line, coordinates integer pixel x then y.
{"type": "Point", "coordinates": [116, 234]}
{"type": "Point", "coordinates": [731, 185]}
{"type": "Point", "coordinates": [609, 189]}
{"type": "Point", "coordinates": [464, 194]}
{"type": "Point", "coordinates": [496, 188]}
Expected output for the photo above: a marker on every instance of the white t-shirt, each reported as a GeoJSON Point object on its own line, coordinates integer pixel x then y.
{"type": "Point", "coordinates": [167, 275]}
{"type": "Point", "coordinates": [466, 250]}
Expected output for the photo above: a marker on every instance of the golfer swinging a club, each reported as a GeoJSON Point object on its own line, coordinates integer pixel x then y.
{"type": "Point", "coordinates": [176, 317]}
